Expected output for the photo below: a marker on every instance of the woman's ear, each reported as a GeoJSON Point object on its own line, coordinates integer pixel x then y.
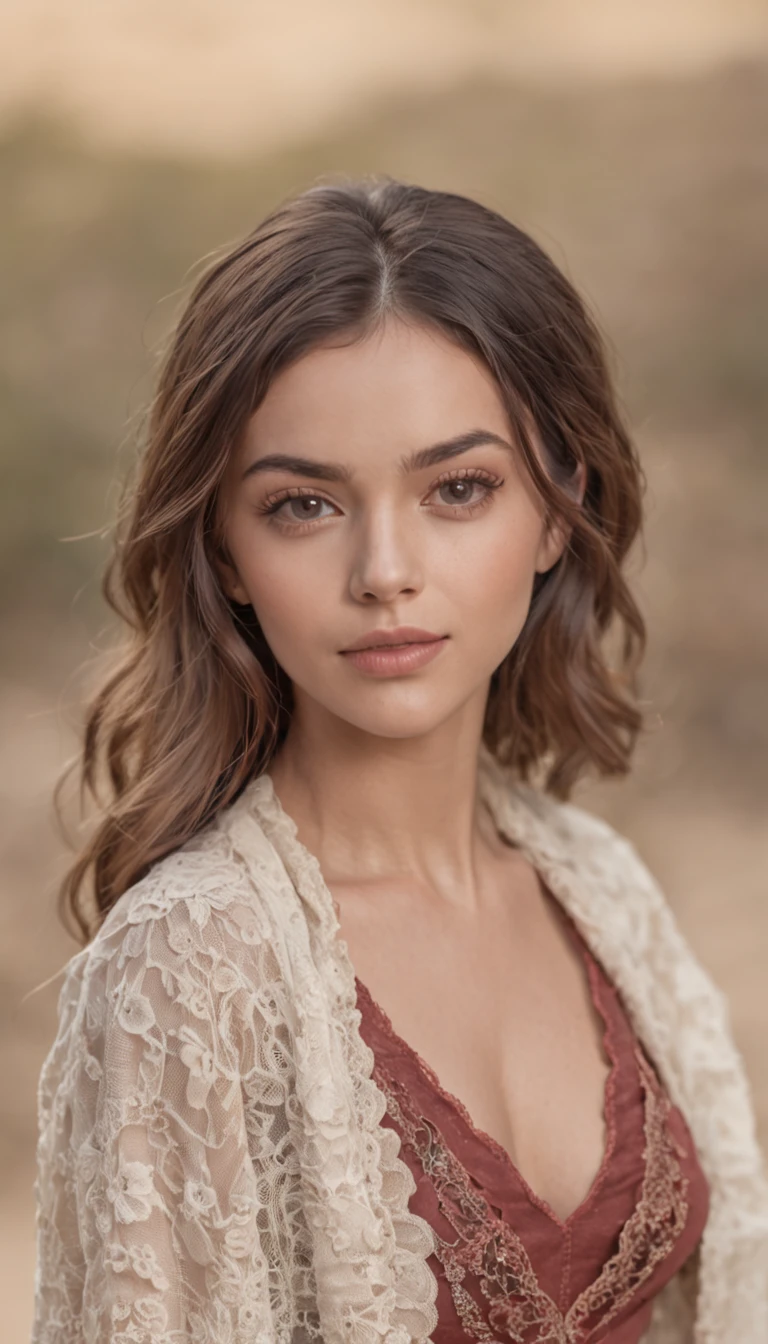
{"type": "Point", "coordinates": [556, 534]}
{"type": "Point", "coordinates": [230, 579]}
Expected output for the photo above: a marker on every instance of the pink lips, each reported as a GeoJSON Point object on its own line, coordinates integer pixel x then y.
{"type": "Point", "coordinates": [387, 653]}
{"type": "Point", "coordinates": [402, 634]}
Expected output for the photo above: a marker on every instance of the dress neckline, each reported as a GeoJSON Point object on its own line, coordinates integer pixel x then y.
{"type": "Point", "coordinates": [517, 822]}
{"type": "Point", "coordinates": [596, 985]}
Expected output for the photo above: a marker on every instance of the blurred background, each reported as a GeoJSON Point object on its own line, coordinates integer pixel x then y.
{"type": "Point", "coordinates": [630, 140]}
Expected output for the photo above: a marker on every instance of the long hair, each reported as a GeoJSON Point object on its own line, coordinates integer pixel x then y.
{"type": "Point", "coordinates": [192, 704]}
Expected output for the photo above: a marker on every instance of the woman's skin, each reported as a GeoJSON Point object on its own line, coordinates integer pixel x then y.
{"type": "Point", "coordinates": [447, 924]}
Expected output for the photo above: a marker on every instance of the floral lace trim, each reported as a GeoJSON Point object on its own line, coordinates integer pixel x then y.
{"type": "Point", "coordinates": [367, 1245]}
{"type": "Point", "coordinates": [487, 1247]}
{"type": "Point", "coordinates": [610, 1050]}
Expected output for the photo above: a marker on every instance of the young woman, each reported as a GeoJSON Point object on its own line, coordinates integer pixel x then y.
{"type": "Point", "coordinates": [377, 1038]}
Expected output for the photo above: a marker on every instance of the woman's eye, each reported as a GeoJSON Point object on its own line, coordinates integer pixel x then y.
{"type": "Point", "coordinates": [462, 495]}
{"type": "Point", "coordinates": [460, 491]}
{"type": "Point", "coordinates": [467, 493]}
{"type": "Point", "coordinates": [302, 508]}
{"type": "Point", "coordinates": [293, 510]}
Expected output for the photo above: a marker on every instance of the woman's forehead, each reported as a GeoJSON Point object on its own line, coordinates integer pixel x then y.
{"type": "Point", "coordinates": [400, 388]}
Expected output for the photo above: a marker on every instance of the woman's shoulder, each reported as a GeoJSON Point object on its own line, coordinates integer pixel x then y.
{"type": "Point", "coordinates": [596, 844]}
{"type": "Point", "coordinates": [198, 904]}
{"type": "Point", "coordinates": [570, 839]}
{"type": "Point", "coordinates": [619, 903]}
{"type": "Point", "coordinates": [202, 879]}
{"type": "Point", "coordinates": [194, 932]}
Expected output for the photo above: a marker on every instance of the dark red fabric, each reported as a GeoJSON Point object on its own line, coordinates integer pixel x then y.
{"type": "Point", "coordinates": [474, 1198]}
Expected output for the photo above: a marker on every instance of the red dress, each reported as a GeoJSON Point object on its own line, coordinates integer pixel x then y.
{"type": "Point", "coordinates": [507, 1267]}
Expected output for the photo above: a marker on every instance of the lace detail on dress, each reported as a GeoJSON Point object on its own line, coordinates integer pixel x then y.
{"type": "Point", "coordinates": [369, 1250]}
{"type": "Point", "coordinates": [209, 1126]}
{"type": "Point", "coordinates": [609, 1048]}
{"type": "Point", "coordinates": [488, 1247]}
{"type": "Point", "coordinates": [169, 1193]}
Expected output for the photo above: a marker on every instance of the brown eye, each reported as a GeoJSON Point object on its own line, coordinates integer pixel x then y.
{"type": "Point", "coordinates": [466, 491]}
{"type": "Point", "coordinates": [462, 494]}
{"type": "Point", "coordinates": [459, 491]}
{"type": "Point", "coordinates": [304, 507]}
{"type": "Point", "coordinates": [297, 510]}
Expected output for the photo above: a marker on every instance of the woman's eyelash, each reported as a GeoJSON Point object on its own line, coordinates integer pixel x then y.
{"type": "Point", "coordinates": [470, 475]}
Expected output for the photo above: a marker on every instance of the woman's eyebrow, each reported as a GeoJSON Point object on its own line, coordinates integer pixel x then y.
{"type": "Point", "coordinates": [416, 461]}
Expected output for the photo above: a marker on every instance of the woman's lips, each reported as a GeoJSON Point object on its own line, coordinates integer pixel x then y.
{"type": "Point", "coordinates": [387, 660]}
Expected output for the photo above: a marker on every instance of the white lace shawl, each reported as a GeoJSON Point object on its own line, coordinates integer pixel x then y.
{"type": "Point", "coordinates": [211, 1167]}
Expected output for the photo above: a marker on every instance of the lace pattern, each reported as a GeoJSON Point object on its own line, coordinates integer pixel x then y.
{"type": "Point", "coordinates": [609, 1048]}
{"type": "Point", "coordinates": [212, 1167]}
{"type": "Point", "coordinates": [165, 1145]}
{"type": "Point", "coordinates": [488, 1247]}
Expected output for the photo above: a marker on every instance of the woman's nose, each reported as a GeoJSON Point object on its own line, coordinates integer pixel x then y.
{"type": "Point", "coordinates": [385, 561]}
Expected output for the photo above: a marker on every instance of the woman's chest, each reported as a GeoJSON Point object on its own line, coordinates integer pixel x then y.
{"type": "Point", "coordinates": [499, 1008]}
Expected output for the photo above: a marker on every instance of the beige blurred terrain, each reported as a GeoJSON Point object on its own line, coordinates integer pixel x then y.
{"type": "Point", "coordinates": [630, 141]}
{"type": "Point", "coordinates": [194, 77]}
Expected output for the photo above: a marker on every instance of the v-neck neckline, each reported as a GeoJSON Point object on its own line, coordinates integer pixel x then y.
{"type": "Point", "coordinates": [497, 796]}
{"type": "Point", "coordinates": [500, 1153]}
{"type": "Point", "coordinates": [618, 907]}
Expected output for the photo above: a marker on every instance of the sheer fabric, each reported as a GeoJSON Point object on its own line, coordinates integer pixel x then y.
{"type": "Point", "coordinates": [165, 1140]}
{"type": "Point", "coordinates": [214, 1164]}
{"type": "Point", "coordinates": [508, 1268]}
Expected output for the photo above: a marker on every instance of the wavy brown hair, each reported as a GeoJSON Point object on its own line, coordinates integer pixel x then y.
{"type": "Point", "coordinates": [192, 704]}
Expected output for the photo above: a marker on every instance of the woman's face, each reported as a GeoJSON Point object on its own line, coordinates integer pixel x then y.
{"type": "Point", "coordinates": [377, 487]}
